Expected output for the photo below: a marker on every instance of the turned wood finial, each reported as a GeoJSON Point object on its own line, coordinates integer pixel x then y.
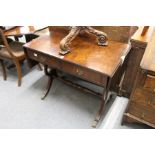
{"type": "Point", "coordinates": [75, 30]}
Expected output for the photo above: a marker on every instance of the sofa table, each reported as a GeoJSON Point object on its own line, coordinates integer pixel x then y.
{"type": "Point", "coordinates": [99, 65]}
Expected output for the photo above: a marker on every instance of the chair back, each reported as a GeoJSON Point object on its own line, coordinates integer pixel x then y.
{"type": "Point", "coordinates": [4, 43]}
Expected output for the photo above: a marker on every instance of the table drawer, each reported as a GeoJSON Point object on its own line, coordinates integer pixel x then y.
{"type": "Point", "coordinates": [70, 68]}
{"type": "Point", "coordinates": [84, 73]}
{"type": "Point", "coordinates": [44, 59]}
{"type": "Point", "coordinates": [143, 97]}
{"type": "Point", "coordinates": [143, 112]}
{"type": "Point", "coordinates": [37, 56]}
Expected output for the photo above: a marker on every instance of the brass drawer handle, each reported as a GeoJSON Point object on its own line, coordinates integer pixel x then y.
{"type": "Point", "coordinates": [43, 59]}
{"type": "Point", "coordinates": [79, 72]}
{"type": "Point", "coordinates": [35, 54]}
{"type": "Point", "coordinates": [143, 115]}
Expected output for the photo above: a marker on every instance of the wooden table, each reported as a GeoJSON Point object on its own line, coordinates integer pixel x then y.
{"type": "Point", "coordinates": [100, 65]}
{"type": "Point", "coordinates": [141, 107]}
{"type": "Point", "coordinates": [139, 42]}
{"type": "Point", "coordinates": [30, 32]}
{"type": "Point", "coordinates": [22, 30]}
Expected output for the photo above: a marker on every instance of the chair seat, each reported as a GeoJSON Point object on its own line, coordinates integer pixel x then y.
{"type": "Point", "coordinates": [16, 48]}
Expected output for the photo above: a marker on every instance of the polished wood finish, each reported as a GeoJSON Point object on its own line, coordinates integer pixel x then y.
{"type": "Point", "coordinates": [141, 107]}
{"type": "Point", "coordinates": [117, 33]}
{"type": "Point", "coordinates": [138, 46]}
{"type": "Point", "coordinates": [74, 31]}
{"type": "Point", "coordinates": [114, 33]}
{"type": "Point", "coordinates": [30, 32]}
{"type": "Point", "coordinates": [94, 60]}
{"type": "Point", "coordinates": [87, 61]}
{"type": "Point", "coordinates": [22, 30]}
{"type": "Point", "coordinates": [12, 51]}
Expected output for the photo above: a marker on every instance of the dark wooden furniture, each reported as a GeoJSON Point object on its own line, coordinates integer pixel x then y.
{"type": "Point", "coordinates": [22, 30]}
{"type": "Point", "coordinates": [30, 32]}
{"type": "Point", "coordinates": [100, 65]}
{"type": "Point", "coordinates": [12, 51]}
{"type": "Point", "coordinates": [138, 46]}
{"type": "Point", "coordinates": [141, 107]}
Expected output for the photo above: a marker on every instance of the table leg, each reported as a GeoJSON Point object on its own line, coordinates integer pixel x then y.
{"type": "Point", "coordinates": [103, 102]}
{"type": "Point", "coordinates": [49, 84]}
{"type": "Point", "coordinates": [51, 75]}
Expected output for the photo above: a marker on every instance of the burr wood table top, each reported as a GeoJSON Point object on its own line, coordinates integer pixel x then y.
{"type": "Point", "coordinates": [84, 52]}
{"type": "Point", "coordinates": [100, 65]}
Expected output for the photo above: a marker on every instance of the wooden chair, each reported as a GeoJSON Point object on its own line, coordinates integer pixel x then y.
{"type": "Point", "coordinates": [12, 51]}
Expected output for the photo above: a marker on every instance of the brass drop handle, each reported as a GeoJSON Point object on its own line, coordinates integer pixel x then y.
{"type": "Point", "coordinates": [143, 115]}
{"type": "Point", "coordinates": [35, 54]}
{"type": "Point", "coordinates": [79, 71]}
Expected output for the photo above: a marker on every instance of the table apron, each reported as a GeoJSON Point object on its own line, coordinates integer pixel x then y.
{"type": "Point", "coordinates": [68, 67]}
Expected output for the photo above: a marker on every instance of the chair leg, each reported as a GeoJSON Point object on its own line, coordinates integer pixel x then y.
{"type": "Point", "coordinates": [3, 70]}
{"type": "Point", "coordinates": [19, 72]}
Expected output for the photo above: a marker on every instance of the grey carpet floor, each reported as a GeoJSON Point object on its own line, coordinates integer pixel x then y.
{"type": "Point", "coordinates": [64, 108]}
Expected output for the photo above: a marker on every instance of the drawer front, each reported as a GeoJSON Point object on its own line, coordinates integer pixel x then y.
{"type": "Point", "coordinates": [84, 73]}
{"type": "Point", "coordinates": [149, 84]}
{"type": "Point", "coordinates": [143, 112]}
{"type": "Point", "coordinates": [143, 97]}
{"type": "Point", "coordinates": [69, 68]}
{"type": "Point", "coordinates": [44, 59]}
{"type": "Point", "coordinates": [37, 56]}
